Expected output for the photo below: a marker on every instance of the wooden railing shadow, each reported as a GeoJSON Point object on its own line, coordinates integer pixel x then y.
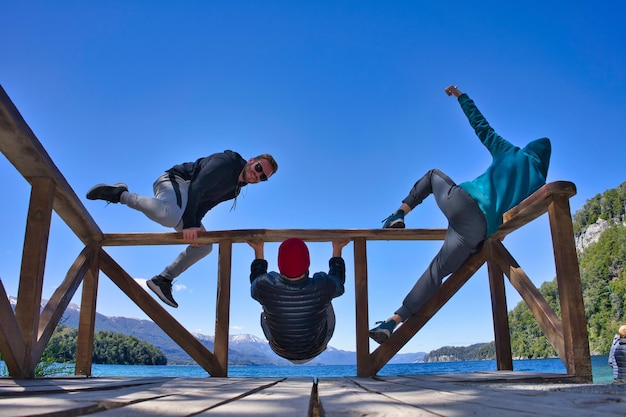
{"type": "Point", "coordinates": [25, 333]}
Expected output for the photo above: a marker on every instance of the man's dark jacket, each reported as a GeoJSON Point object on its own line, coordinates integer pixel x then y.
{"type": "Point", "coordinates": [296, 311]}
{"type": "Point", "coordinates": [213, 179]}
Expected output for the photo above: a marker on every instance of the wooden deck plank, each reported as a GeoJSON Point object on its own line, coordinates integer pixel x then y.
{"type": "Point", "coordinates": [483, 394]}
{"type": "Point", "coordinates": [343, 397]}
{"type": "Point", "coordinates": [495, 399]}
{"type": "Point", "coordinates": [288, 398]}
{"type": "Point", "coordinates": [170, 396]}
{"type": "Point", "coordinates": [184, 397]}
{"type": "Point", "coordinates": [46, 406]}
{"type": "Point", "coordinates": [449, 400]}
{"type": "Point", "coordinates": [497, 376]}
{"type": "Point", "coordinates": [13, 387]}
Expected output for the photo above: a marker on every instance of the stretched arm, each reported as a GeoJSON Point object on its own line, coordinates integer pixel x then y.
{"type": "Point", "coordinates": [258, 246]}
{"type": "Point", "coordinates": [338, 246]}
{"type": "Point", "coordinates": [452, 90]}
{"type": "Point", "coordinates": [493, 142]}
{"type": "Point", "coordinates": [259, 265]}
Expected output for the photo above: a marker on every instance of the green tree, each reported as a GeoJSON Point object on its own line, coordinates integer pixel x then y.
{"type": "Point", "coordinates": [603, 279]}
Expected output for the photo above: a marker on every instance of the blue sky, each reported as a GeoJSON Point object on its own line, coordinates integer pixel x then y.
{"type": "Point", "coordinates": [347, 95]}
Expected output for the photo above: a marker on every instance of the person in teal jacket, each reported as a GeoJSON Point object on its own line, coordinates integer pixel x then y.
{"type": "Point", "coordinates": [474, 208]}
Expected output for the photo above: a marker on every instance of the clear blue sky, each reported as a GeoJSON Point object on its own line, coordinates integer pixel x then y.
{"type": "Point", "coordinates": [347, 95]}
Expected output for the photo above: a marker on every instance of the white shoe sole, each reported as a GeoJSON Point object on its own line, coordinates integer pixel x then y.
{"type": "Point", "coordinates": [157, 290]}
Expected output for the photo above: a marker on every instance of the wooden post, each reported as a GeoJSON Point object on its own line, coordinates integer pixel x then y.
{"type": "Point", "coordinates": [11, 340]}
{"type": "Point", "coordinates": [87, 319]}
{"type": "Point", "coordinates": [502, 333]}
{"type": "Point", "coordinates": [56, 305]}
{"type": "Point", "coordinates": [546, 317]}
{"type": "Point", "coordinates": [222, 314]}
{"type": "Point", "coordinates": [575, 338]}
{"type": "Point", "coordinates": [361, 305]}
{"type": "Point", "coordinates": [28, 307]}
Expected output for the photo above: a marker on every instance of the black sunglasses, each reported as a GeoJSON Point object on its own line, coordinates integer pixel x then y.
{"type": "Point", "coordinates": [258, 168]}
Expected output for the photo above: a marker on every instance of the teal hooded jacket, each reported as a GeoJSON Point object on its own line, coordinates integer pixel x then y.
{"type": "Point", "coordinates": [514, 174]}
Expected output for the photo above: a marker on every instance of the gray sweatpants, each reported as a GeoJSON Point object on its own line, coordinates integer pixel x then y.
{"type": "Point", "coordinates": [466, 230]}
{"type": "Point", "coordinates": [167, 208]}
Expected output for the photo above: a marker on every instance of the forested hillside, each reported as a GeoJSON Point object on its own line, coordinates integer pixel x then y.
{"type": "Point", "coordinates": [109, 348]}
{"type": "Point", "coordinates": [602, 275]}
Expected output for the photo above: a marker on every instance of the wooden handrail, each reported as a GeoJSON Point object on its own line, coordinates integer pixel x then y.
{"type": "Point", "coordinates": [272, 235]}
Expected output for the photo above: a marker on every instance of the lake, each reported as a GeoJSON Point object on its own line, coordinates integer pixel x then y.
{"type": "Point", "coordinates": [602, 372]}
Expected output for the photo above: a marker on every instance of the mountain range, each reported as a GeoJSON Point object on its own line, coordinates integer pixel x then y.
{"type": "Point", "coordinates": [243, 349]}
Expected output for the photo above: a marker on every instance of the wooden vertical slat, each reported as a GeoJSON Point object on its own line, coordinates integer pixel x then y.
{"type": "Point", "coordinates": [577, 356]}
{"type": "Point", "coordinates": [11, 339]}
{"type": "Point", "coordinates": [30, 288]}
{"type": "Point", "coordinates": [361, 306]}
{"type": "Point", "coordinates": [545, 316]}
{"type": "Point", "coordinates": [222, 315]}
{"type": "Point", "coordinates": [502, 334]}
{"type": "Point", "coordinates": [87, 318]}
{"type": "Point", "coordinates": [56, 305]}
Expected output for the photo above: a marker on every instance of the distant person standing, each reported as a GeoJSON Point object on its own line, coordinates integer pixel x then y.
{"type": "Point", "coordinates": [182, 196]}
{"type": "Point", "coordinates": [617, 356]}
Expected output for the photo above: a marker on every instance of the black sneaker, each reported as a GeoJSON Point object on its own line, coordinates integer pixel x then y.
{"type": "Point", "coordinates": [163, 289]}
{"type": "Point", "coordinates": [395, 221]}
{"type": "Point", "coordinates": [110, 193]}
{"type": "Point", "coordinates": [382, 332]}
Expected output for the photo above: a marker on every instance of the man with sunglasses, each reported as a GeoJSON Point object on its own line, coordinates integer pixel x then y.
{"type": "Point", "coordinates": [182, 196]}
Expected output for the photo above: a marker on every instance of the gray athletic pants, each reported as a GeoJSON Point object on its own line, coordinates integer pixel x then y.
{"type": "Point", "coordinates": [466, 230]}
{"type": "Point", "coordinates": [167, 208]}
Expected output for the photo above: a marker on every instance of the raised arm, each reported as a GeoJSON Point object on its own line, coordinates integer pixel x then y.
{"type": "Point", "coordinates": [259, 265]}
{"type": "Point", "coordinates": [452, 90]}
{"type": "Point", "coordinates": [338, 246]}
{"type": "Point", "coordinates": [487, 135]}
{"type": "Point", "coordinates": [258, 246]}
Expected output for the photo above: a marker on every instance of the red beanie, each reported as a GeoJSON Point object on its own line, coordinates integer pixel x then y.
{"type": "Point", "coordinates": [293, 257]}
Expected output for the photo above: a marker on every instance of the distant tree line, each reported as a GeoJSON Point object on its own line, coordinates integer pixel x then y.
{"type": "Point", "coordinates": [603, 277]}
{"type": "Point", "coordinates": [109, 348]}
{"type": "Point", "coordinates": [610, 205]}
{"type": "Point", "coordinates": [477, 351]}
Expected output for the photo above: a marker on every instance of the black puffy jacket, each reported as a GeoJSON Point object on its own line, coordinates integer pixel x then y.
{"type": "Point", "coordinates": [296, 310]}
{"type": "Point", "coordinates": [620, 359]}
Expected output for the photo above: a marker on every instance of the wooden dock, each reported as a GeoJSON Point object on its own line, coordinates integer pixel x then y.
{"type": "Point", "coordinates": [482, 394]}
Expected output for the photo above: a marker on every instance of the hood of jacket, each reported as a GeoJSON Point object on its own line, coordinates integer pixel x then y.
{"type": "Point", "coordinates": [540, 150]}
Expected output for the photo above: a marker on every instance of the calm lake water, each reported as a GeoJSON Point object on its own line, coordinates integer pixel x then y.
{"type": "Point", "coordinates": [601, 371]}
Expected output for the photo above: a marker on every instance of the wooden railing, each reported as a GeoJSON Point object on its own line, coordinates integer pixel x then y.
{"type": "Point", "coordinates": [25, 333]}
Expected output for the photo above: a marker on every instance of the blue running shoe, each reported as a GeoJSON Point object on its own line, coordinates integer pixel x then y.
{"type": "Point", "coordinates": [382, 332]}
{"type": "Point", "coordinates": [395, 221]}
